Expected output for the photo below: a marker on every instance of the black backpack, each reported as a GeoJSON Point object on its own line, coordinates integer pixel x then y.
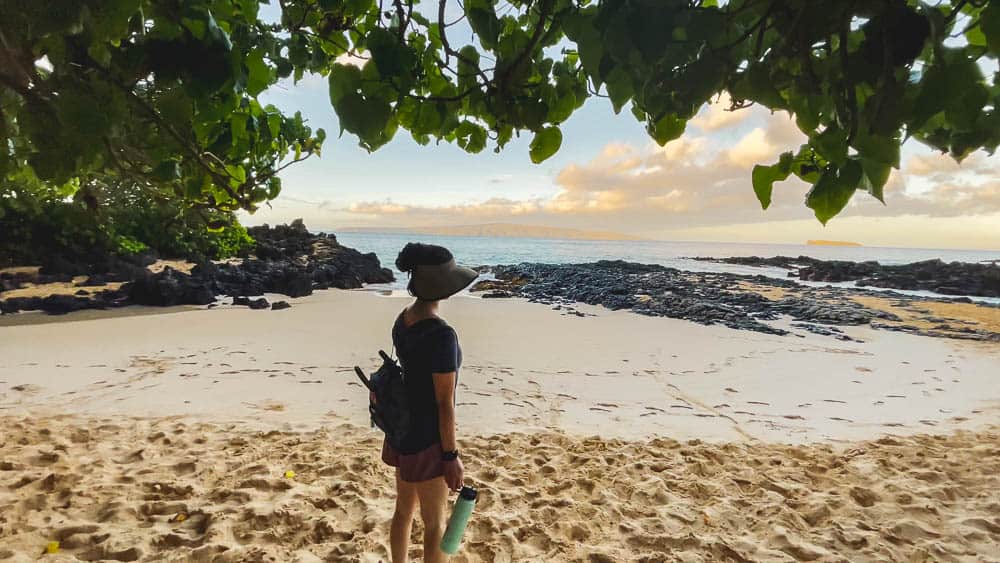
{"type": "Point", "coordinates": [389, 399]}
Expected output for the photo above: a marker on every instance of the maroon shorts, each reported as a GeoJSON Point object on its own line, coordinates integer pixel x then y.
{"type": "Point", "coordinates": [413, 468]}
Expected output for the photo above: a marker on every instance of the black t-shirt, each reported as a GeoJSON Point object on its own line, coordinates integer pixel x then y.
{"type": "Point", "coordinates": [426, 347]}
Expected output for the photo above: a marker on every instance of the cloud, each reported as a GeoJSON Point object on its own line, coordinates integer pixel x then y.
{"type": "Point", "coordinates": [352, 59]}
{"type": "Point", "coordinates": [717, 115]}
{"type": "Point", "coordinates": [702, 181]}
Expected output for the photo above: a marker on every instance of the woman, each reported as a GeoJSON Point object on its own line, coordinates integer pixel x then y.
{"type": "Point", "coordinates": [426, 458]}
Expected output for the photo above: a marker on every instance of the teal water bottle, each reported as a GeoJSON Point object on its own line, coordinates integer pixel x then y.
{"type": "Point", "coordinates": [459, 519]}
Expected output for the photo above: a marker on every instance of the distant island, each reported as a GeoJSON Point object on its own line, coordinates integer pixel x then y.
{"type": "Point", "coordinates": [831, 243]}
{"type": "Point", "coordinates": [507, 230]}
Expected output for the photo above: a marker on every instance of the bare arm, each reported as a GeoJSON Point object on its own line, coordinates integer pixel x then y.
{"type": "Point", "coordinates": [444, 393]}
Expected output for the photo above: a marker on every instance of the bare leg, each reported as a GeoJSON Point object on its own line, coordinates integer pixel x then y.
{"type": "Point", "coordinates": [402, 519]}
{"type": "Point", "coordinates": [433, 496]}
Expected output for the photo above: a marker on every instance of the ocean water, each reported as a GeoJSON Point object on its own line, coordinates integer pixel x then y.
{"type": "Point", "coordinates": [488, 251]}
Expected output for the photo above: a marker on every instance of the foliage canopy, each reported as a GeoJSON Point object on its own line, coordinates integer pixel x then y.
{"type": "Point", "coordinates": [165, 93]}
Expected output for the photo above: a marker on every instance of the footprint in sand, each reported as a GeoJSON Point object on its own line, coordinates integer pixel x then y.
{"type": "Point", "coordinates": [599, 409]}
{"type": "Point", "coordinates": [759, 403]}
{"type": "Point", "coordinates": [834, 401]}
{"type": "Point", "coordinates": [896, 396]}
{"type": "Point", "coordinates": [273, 406]}
{"type": "Point", "coordinates": [27, 388]}
{"type": "Point", "coordinates": [730, 390]}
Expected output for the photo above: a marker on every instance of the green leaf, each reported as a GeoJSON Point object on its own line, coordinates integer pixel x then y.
{"type": "Point", "coordinates": [214, 35]}
{"type": "Point", "coordinates": [668, 128]}
{"type": "Point", "coordinates": [764, 177]}
{"type": "Point", "coordinates": [563, 108]}
{"type": "Point", "coordinates": [258, 73]}
{"type": "Point", "coordinates": [273, 187]}
{"type": "Point", "coordinates": [366, 118]}
{"type": "Point", "coordinates": [833, 191]}
{"type": "Point", "coordinates": [831, 144]}
{"type": "Point", "coordinates": [876, 175]}
{"type": "Point", "coordinates": [975, 36]}
{"type": "Point", "coordinates": [590, 46]}
{"type": "Point", "coordinates": [545, 144]}
{"type": "Point", "coordinates": [942, 83]}
{"type": "Point", "coordinates": [471, 137]}
{"type": "Point", "coordinates": [344, 80]}
{"type": "Point", "coordinates": [878, 149]}
{"type": "Point", "coordinates": [238, 126]}
{"type": "Point", "coordinates": [274, 124]}
{"type": "Point", "coordinates": [620, 90]}
{"type": "Point", "coordinates": [484, 22]}
{"type": "Point", "coordinates": [989, 22]}
{"type": "Point", "coordinates": [756, 84]}
{"type": "Point", "coordinates": [393, 60]}
{"type": "Point", "coordinates": [468, 66]}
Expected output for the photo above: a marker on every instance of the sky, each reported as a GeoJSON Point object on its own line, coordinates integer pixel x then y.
{"type": "Point", "coordinates": [609, 175]}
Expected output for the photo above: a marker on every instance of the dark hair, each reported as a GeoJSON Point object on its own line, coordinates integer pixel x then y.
{"type": "Point", "coordinates": [419, 254]}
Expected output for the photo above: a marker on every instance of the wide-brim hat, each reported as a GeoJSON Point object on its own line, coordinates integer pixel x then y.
{"type": "Point", "coordinates": [440, 281]}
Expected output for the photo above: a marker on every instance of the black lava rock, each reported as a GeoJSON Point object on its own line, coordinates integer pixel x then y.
{"type": "Point", "coordinates": [955, 278]}
{"type": "Point", "coordinates": [289, 260]}
{"type": "Point", "coordinates": [170, 287]}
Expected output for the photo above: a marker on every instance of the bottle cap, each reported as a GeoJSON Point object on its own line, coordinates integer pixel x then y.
{"type": "Point", "coordinates": [468, 493]}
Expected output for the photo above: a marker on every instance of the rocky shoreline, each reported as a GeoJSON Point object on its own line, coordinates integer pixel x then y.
{"type": "Point", "coordinates": [736, 301]}
{"type": "Point", "coordinates": [954, 278]}
{"type": "Point", "coordinates": [288, 260]}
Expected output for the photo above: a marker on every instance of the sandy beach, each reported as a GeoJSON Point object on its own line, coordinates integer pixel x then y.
{"type": "Point", "coordinates": [604, 437]}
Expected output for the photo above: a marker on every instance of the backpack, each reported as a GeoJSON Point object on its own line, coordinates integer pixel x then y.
{"type": "Point", "coordinates": [388, 397]}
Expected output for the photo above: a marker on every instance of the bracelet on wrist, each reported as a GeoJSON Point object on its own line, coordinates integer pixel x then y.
{"type": "Point", "coordinates": [449, 456]}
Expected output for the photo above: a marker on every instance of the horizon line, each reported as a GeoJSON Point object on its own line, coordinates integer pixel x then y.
{"type": "Point", "coordinates": [406, 230]}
